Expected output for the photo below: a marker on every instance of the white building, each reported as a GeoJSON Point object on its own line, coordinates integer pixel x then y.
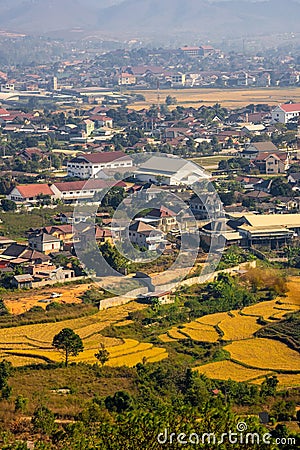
{"type": "Point", "coordinates": [70, 191]}
{"type": "Point", "coordinates": [285, 113]}
{"type": "Point", "coordinates": [170, 171]}
{"type": "Point", "coordinates": [87, 166]}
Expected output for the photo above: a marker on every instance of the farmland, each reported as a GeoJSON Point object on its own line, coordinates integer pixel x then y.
{"type": "Point", "coordinates": [223, 370]}
{"type": "Point", "coordinates": [31, 344]}
{"type": "Point", "coordinates": [229, 98]}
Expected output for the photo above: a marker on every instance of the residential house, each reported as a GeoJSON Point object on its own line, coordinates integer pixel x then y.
{"type": "Point", "coordinates": [145, 235]}
{"type": "Point", "coordinates": [163, 219]}
{"type": "Point", "coordinates": [205, 207]}
{"type": "Point", "coordinates": [45, 243]}
{"type": "Point", "coordinates": [272, 163]}
{"type": "Point", "coordinates": [126, 79]}
{"type": "Point", "coordinates": [254, 148]}
{"type": "Point", "coordinates": [27, 254]}
{"type": "Point", "coordinates": [22, 281]}
{"type": "Point", "coordinates": [294, 180]}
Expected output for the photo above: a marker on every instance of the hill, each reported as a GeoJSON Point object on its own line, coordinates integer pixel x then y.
{"type": "Point", "coordinates": [214, 19]}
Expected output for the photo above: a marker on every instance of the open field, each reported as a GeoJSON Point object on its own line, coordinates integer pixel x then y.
{"type": "Point", "coordinates": [285, 381]}
{"type": "Point", "coordinates": [18, 303]}
{"type": "Point", "coordinates": [230, 98]}
{"type": "Point", "coordinates": [223, 370]}
{"type": "Point", "coordinates": [210, 162]}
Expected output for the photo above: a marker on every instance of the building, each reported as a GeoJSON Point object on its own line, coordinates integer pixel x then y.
{"type": "Point", "coordinates": [272, 163]}
{"type": "Point", "coordinates": [272, 230]}
{"type": "Point", "coordinates": [170, 171]}
{"type": "Point", "coordinates": [87, 166]}
{"type": "Point", "coordinates": [205, 207]}
{"type": "Point", "coordinates": [163, 219]}
{"type": "Point", "coordinates": [126, 79]}
{"type": "Point", "coordinates": [30, 193]}
{"type": "Point", "coordinates": [191, 52]}
{"type": "Point", "coordinates": [70, 191]}
{"type": "Point", "coordinates": [254, 148]}
{"type": "Point", "coordinates": [45, 243]}
{"type": "Point", "coordinates": [145, 236]}
{"type": "Point", "coordinates": [286, 113]}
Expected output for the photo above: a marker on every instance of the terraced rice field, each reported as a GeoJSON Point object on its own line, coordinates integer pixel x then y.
{"type": "Point", "coordinates": [265, 354]}
{"type": "Point", "coordinates": [238, 327]}
{"type": "Point", "coordinates": [31, 344]}
{"type": "Point", "coordinates": [285, 381]}
{"type": "Point", "coordinates": [224, 370]}
{"type": "Point", "coordinates": [271, 309]}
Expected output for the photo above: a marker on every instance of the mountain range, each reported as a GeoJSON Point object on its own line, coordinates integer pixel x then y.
{"type": "Point", "coordinates": [152, 17]}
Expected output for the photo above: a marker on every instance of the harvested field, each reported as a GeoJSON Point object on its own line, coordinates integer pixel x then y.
{"type": "Point", "coordinates": [230, 98]}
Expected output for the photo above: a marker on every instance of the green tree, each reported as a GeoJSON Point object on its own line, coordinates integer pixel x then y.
{"type": "Point", "coordinates": [102, 355]}
{"type": "Point", "coordinates": [121, 401]}
{"type": "Point", "coordinates": [21, 403]}
{"type": "Point", "coordinates": [43, 420]}
{"type": "Point", "coordinates": [8, 205]}
{"type": "Point", "coordinates": [68, 342]}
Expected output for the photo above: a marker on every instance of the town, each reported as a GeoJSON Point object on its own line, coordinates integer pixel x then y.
{"type": "Point", "coordinates": [149, 237]}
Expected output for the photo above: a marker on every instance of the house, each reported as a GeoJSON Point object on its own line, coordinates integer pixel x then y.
{"type": "Point", "coordinates": [163, 219]}
{"type": "Point", "coordinates": [45, 243]}
{"type": "Point", "coordinates": [171, 171]}
{"type": "Point", "coordinates": [30, 193]}
{"type": "Point", "coordinates": [294, 180]}
{"type": "Point", "coordinates": [18, 251]}
{"type": "Point", "coordinates": [88, 165]}
{"type": "Point", "coordinates": [254, 148]}
{"type": "Point", "coordinates": [286, 113]}
{"type": "Point", "coordinates": [101, 120]}
{"type": "Point", "coordinates": [272, 163]}
{"type": "Point", "coordinates": [5, 243]}
{"type": "Point", "coordinates": [221, 234]}
{"type": "Point", "coordinates": [205, 207]}
{"type": "Point", "coordinates": [145, 235]}
{"type": "Point", "coordinates": [70, 218]}
{"type": "Point", "coordinates": [22, 281]}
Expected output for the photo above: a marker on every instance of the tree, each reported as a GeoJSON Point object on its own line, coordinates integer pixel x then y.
{"type": "Point", "coordinates": [8, 205]}
{"type": "Point", "coordinates": [102, 355]}
{"type": "Point", "coordinates": [281, 187]}
{"type": "Point", "coordinates": [5, 373]}
{"type": "Point", "coordinates": [43, 420]}
{"type": "Point", "coordinates": [121, 401]}
{"type": "Point", "coordinates": [68, 342]}
{"type": "Point", "coordinates": [21, 403]}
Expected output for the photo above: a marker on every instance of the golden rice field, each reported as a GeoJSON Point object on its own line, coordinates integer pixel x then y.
{"type": "Point", "coordinates": [285, 381]}
{"type": "Point", "coordinates": [213, 319]}
{"type": "Point", "coordinates": [224, 370]}
{"type": "Point", "coordinates": [238, 327]}
{"type": "Point", "coordinates": [265, 354]}
{"type": "Point", "coordinates": [128, 353]}
{"type": "Point", "coordinates": [200, 333]}
{"type": "Point", "coordinates": [31, 344]}
{"type": "Point", "coordinates": [270, 309]}
{"type": "Point", "coordinates": [230, 98]}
